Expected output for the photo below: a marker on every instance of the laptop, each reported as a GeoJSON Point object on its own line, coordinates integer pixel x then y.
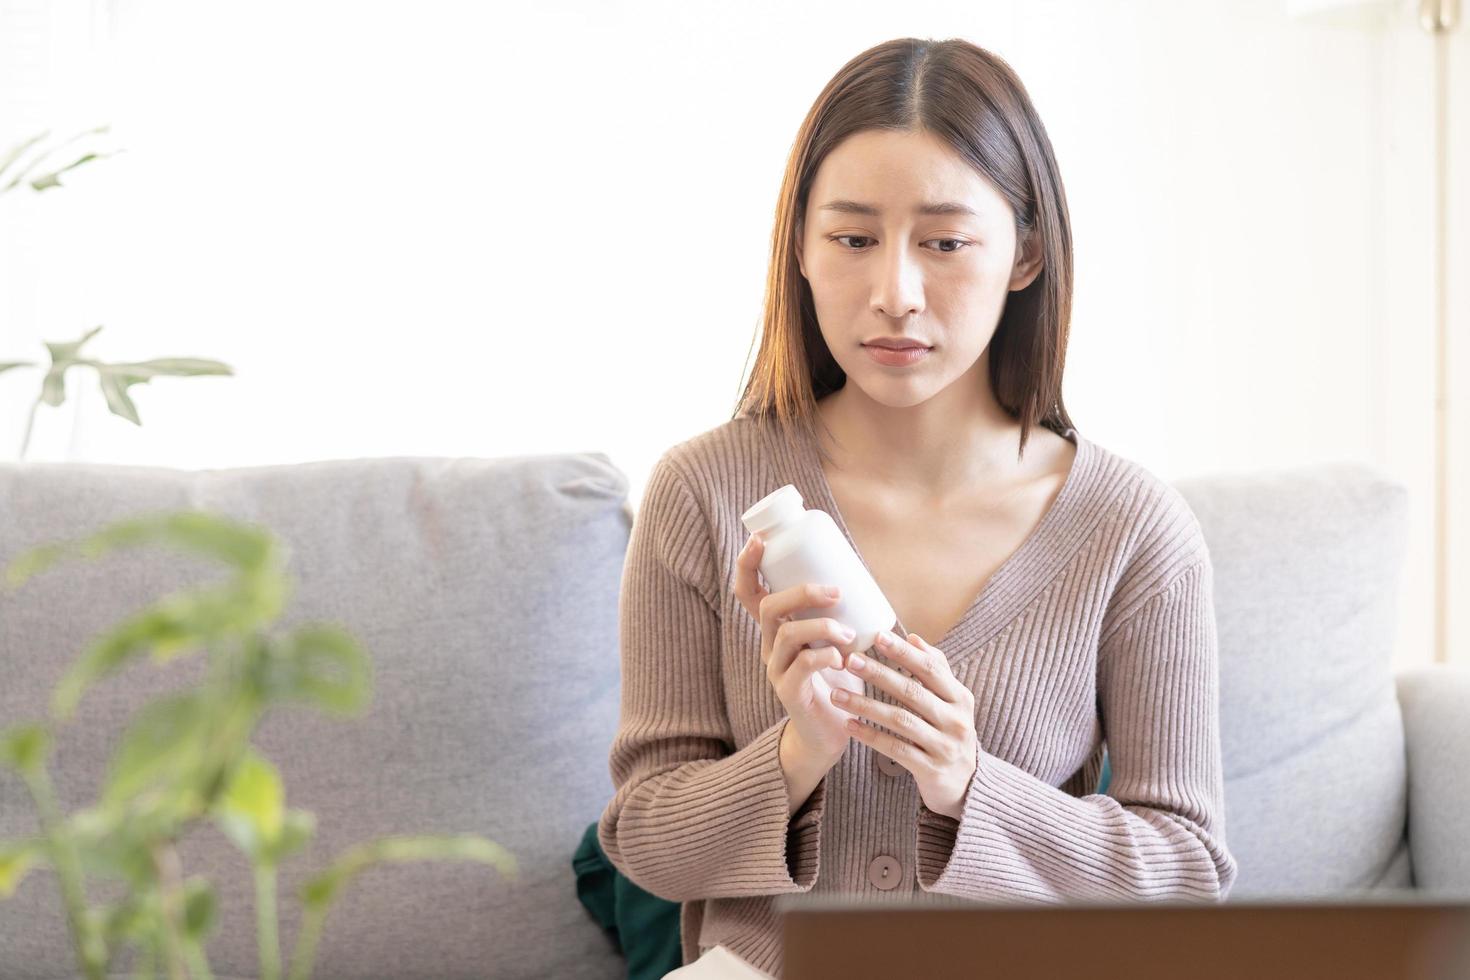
{"type": "Point", "coordinates": [1397, 935]}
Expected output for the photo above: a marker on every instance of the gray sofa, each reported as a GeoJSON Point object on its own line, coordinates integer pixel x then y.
{"type": "Point", "coordinates": [486, 592]}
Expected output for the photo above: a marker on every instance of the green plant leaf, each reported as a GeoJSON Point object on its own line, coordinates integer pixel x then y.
{"type": "Point", "coordinates": [113, 842]}
{"type": "Point", "coordinates": [115, 391]}
{"type": "Point", "coordinates": [24, 747]}
{"type": "Point", "coordinates": [16, 858]}
{"type": "Point", "coordinates": [181, 621]}
{"type": "Point", "coordinates": [241, 545]}
{"type": "Point", "coordinates": [53, 386]}
{"type": "Point", "coordinates": [64, 354]}
{"type": "Point", "coordinates": [199, 908]}
{"type": "Point", "coordinates": [162, 746]}
{"type": "Point", "coordinates": [322, 889]}
{"type": "Point", "coordinates": [247, 547]}
{"type": "Point", "coordinates": [324, 665]}
{"type": "Point", "coordinates": [296, 830]}
{"type": "Point", "coordinates": [23, 566]}
{"type": "Point", "coordinates": [70, 350]}
{"type": "Point", "coordinates": [35, 161]}
{"type": "Point", "coordinates": [185, 621]}
{"type": "Point", "coordinates": [47, 181]}
{"type": "Point", "coordinates": [179, 367]}
{"type": "Point", "coordinates": [14, 153]}
{"type": "Point", "coordinates": [251, 811]}
{"type": "Point", "coordinates": [128, 919]}
{"type": "Point", "coordinates": [115, 379]}
{"type": "Point", "coordinates": [175, 623]}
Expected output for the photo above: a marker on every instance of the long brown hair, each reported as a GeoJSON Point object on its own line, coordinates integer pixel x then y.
{"type": "Point", "coordinates": [972, 100]}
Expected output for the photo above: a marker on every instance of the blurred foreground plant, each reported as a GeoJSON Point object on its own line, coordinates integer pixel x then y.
{"type": "Point", "coordinates": [187, 757]}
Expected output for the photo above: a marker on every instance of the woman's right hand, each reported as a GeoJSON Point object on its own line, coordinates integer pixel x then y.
{"type": "Point", "coordinates": [805, 658]}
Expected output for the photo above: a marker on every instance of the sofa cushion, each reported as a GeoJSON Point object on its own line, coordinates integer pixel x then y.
{"type": "Point", "coordinates": [1307, 563]}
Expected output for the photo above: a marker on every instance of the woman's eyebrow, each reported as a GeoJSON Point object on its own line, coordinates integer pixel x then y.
{"type": "Point", "coordinates": [939, 207]}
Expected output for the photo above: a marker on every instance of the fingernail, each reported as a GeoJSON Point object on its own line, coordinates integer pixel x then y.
{"type": "Point", "coordinates": [847, 633]}
{"type": "Point", "coordinates": [856, 661]}
{"type": "Point", "coordinates": [832, 591]}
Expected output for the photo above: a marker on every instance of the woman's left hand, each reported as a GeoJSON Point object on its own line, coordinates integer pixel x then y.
{"type": "Point", "coordinates": [935, 737]}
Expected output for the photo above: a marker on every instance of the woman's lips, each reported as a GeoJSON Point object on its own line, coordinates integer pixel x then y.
{"type": "Point", "coordinates": [897, 358]}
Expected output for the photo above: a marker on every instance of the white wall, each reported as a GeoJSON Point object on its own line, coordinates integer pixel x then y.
{"type": "Point", "coordinates": [360, 206]}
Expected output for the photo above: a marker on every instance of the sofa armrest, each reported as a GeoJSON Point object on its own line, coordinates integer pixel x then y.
{"type": "Point", "coordinates": [1435, 702]}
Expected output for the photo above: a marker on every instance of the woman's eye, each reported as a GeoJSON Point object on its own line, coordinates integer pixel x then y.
{"type": "Point", "coordinates": [944, 251]}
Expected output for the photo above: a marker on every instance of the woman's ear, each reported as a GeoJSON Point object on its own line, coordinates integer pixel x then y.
{"type": "Point", "coordinates": [1028, 262]}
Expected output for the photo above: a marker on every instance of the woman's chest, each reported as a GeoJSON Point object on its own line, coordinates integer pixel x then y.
{"type": "Point", "coordinates": [932, 564]}
{"type": "Point", "coordinates": [931, 579]}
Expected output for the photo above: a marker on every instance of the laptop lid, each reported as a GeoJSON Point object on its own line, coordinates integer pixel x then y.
{"type": "Point", "coordinates": [1401, 935]}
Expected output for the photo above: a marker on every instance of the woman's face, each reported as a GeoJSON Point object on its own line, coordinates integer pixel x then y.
{"type": "Point", "coordinates": [880, 267]}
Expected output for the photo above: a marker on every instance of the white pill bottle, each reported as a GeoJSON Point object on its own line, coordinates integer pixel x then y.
{"type": "Point", "coordinates": [806, 546]}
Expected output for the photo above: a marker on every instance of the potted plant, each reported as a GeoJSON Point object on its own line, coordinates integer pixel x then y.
{"type": "Point", "coordinates": [115, 379]}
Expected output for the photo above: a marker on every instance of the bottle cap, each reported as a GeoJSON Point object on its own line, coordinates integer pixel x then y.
{"type": "Point", "coordinates": [775, 508]}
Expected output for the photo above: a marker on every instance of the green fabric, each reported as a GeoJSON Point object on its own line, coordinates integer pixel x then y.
{"type": "Point", "coordinates": [644, 926]}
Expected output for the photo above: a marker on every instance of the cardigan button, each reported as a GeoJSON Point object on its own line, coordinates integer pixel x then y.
{"type": "Point", "coordinates": [887, 766]}
{"type": "Point", "coordinates": [884, 871]}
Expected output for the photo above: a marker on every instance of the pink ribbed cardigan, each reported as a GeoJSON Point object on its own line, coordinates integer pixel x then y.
{"type": "Point", "coordinates": [1100, 626]}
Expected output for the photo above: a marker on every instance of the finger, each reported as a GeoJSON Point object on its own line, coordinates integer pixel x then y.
{"type": "Point", "coordinates": [905, 754]}
{"type": "Point", "coordinates": [795, 635]}
{"type": "Point", "coordinates": [910, 692]}
{"type": "Point", "coordinates": [778, 607]}
{"type": "Point", "coordinates": [748, 588]}
{"type": "Point", "coordinates": [812, 659]}
{"type": "Point", "coordinates": [959, 692]}
{"type": "Point", "coordinates": [910, 723]}
{"type": "Point", "coordinates": [923, 661]}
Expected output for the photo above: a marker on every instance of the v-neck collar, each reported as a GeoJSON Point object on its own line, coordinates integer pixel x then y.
{"type": "Point", "coordinates": [1023, 574]}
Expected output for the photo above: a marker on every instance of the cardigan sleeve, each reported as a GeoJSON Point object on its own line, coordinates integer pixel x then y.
{"type": "Point", "coordinates": [692, 815]}
{"type": "Point", "coordinates": [1159, 832]}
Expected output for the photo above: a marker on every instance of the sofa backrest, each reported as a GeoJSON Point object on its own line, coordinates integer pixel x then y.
{"type": "Point", "coordinates": [486, 590]}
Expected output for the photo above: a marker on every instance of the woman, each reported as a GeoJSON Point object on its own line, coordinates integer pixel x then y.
{"type": "Point", "coordinates": [1055, 598]}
